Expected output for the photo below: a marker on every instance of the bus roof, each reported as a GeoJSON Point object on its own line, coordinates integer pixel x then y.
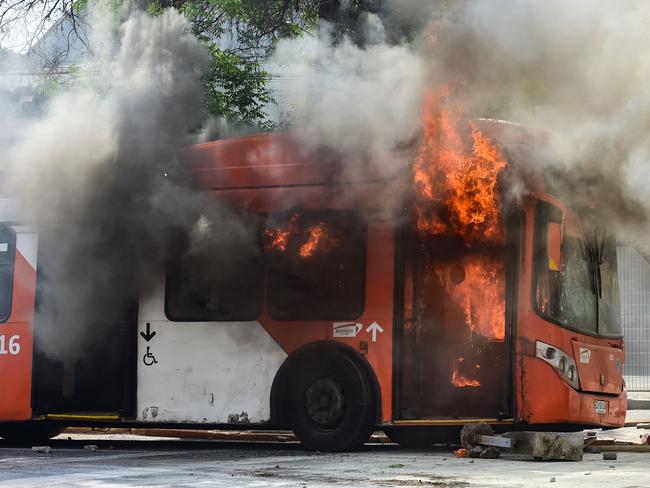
{"type": "Point", "coordinates": [280, 160]}
{"type": "Point", "coordinates": [274, 161]}
{"type": "Point", "coordinates": [265, 161]}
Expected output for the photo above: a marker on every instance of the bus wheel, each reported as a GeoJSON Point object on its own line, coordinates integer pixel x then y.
{"type": "Point", "coordinates": [330, 402]}
{"type": "Point", "coordinates": [29, 432]}
{"type": "Point", "coordinates": [421, 437]}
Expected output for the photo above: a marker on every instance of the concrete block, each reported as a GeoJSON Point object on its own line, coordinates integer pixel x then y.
{"type": "Point", "coordinates": [548, 446]}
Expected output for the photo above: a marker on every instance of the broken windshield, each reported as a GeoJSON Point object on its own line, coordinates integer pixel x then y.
{"type": "Point", "coordinates": [583, 294]}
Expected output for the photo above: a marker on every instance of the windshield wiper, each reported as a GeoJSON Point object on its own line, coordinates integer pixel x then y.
{"type": "Point", "coordinates": [593, 250]}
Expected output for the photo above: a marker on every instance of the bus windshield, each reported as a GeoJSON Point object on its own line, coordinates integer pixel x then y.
{"type": "Point", "coordinates": [579, 296]}
{"type": "Point", "coordinates": [609, 305]}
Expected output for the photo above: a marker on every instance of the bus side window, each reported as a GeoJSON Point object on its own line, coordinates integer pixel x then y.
{"type": "Point", "coordinates": [214, 282]}
{"type": "Point", "coordinates": [7, 261]}
{"type": "Point", "coordinates": [320, 273]}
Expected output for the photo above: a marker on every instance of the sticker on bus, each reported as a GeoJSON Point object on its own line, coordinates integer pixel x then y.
{"type": "Point", "coordinates": [585, 355]}
{"type": "Point", "coordinates": [600, 407]}
{"type": "Point", "coordinates": [346, 329]}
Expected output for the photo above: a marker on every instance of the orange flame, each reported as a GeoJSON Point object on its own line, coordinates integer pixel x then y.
{"type": "Point", "coordinates": [455, 185]}
{"type": "Point", "coordinates": [481, 295]}
{"type": "Point", "coordinates": [319, 238]}
{"type": "Point", "coordinates": [277, 239]}
{"type": "Point", "coordinates": [458, 379]}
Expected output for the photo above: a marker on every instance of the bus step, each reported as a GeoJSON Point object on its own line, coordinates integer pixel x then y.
{"type": "Point", "coordinates": [84, 416]}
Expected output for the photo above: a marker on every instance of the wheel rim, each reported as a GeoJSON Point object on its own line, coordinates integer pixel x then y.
{"type": "Point", "coordinates": [325, 402]}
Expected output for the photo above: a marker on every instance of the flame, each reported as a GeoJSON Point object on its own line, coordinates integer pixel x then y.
{"type": "Point", "coordinates": [458, 379]}
{"type": "Point", "coordinates": [455, 179]}
{"type": "Point", "coordinates": [455, 185]}
{"type": "Point", "coordinates": [481, 295]}
{"type": "Point", "coordinates": [277, 239]}
{"type": "Point", "coordinates": [319, 238]}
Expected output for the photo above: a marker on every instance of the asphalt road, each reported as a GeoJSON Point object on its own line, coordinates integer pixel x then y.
{"type": "Point", "coordinates": [129, 461]}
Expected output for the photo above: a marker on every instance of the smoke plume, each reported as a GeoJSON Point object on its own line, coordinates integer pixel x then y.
{"type": "Point", "coordinates": [98, 177]}
{"type": "Point", "coordinates": [98, 174]}
{"type": "Point", "coordinates": [575, 70]}
{"type": "Point", "coordinates": [362, 102]}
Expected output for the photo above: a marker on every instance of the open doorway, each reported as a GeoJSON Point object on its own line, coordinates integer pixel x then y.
{"type": "Point", "coordinates": [455, 359]}
{"type": "Point", "coordinates": [84, 346]}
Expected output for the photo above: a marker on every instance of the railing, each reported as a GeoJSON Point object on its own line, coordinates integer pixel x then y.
{"type": "Point", "coordinates": [634, 276]}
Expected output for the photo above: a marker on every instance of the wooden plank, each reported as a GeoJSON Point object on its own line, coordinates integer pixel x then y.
{"type": "Point", "coordinates": [625, 448]}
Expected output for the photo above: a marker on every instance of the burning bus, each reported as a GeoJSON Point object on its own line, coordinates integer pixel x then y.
{"type": "Point", "coordinates": [355, 311]}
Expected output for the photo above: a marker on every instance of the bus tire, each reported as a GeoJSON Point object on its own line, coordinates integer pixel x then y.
{"type": "Point", "coordinates": [330, 401]}
{"type": "Point", "coordinates": [29, 432]}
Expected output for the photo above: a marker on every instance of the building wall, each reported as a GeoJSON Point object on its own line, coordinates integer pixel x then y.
{"type": "Point", "coordinates": [634, 275]}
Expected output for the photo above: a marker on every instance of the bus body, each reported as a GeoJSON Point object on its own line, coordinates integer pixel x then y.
{"type": "Point", "coordinates": [345, 321]}
{"type": "Point", "coordinates": [18, 255]}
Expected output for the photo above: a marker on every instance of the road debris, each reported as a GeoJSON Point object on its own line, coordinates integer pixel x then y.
{"type": "Point", "coordinates": [617, 441]}
{"type": "Point", "coordinates": [475, 452]}
{"type": "Point", "coordinates": [42, 449]}
{"type": "Point", "coordinates": [479, 441]}
{"type": "Point", "coordinates": [470, 434]}
{"type": "Point", "coordinates": [548, 446]}
{"type": "Point", "coordinates": [641, 448]}
{"type": "Point", "coordinates": [609, 456]}
{"type": "Point", "coordinates": [490, 452]}
{"type": "Point", "coordinates": [460, 453]}
{"type": "Point", "coordinates": [90, 447]}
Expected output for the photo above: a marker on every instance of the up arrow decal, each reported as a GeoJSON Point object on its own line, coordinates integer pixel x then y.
{"type": "Point", "coordinates": [373, 329]}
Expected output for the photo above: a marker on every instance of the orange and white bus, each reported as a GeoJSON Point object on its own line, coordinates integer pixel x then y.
{"type": "Point", "coordinates": [356, 311]}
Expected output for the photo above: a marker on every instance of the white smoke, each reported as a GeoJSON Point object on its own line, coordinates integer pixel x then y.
{"type": "Point", "coordinates": [98, 177]}
{"type": "Point", "coordinates": [92, 172]}
{"type": "Point", "coordinates": [578, 70]}
{"type": "Point", "coordinates": [362, 102]}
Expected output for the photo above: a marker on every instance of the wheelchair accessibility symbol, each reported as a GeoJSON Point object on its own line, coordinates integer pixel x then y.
{"type": "Point", "coordinates": [149, 359]}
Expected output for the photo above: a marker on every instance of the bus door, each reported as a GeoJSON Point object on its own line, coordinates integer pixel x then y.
{"type": "Point", "coordinates": [83, 342]}
{"type": "Point", "coordinates": [455, 358]}
{"type": "Point", "coordinates": [17, 285]}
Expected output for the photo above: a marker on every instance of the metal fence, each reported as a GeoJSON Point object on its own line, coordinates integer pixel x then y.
{"type": "Point", "coordinates": [634, 276]}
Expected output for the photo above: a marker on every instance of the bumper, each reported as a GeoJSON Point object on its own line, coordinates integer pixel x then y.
{"type": "Point", "coordinates": [547, 399]}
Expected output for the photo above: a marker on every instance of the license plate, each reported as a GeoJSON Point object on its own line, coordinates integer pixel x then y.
{"type": "Point", "coordinates": [600, 407]}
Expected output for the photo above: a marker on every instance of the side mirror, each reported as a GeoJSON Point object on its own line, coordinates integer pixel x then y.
{"type": "Point", "coordinates": [554, 246]}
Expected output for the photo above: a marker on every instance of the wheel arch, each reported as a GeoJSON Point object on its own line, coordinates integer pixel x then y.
{"type": "Point", "coordinates": [307, 352]}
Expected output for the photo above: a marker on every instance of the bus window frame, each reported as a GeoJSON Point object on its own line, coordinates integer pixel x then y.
{"type": "Point", "coordinates": [260, 304]}
{"type": "Point", "coordinates": [324, 214]}
{"type": "Point", "coordinates": [566, 224]}
{"type": "Point", "coordinates": [12, 260]}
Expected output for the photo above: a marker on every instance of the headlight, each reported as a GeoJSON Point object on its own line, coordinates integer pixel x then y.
{"type": "Point", "coordinates": [571, 373]}
{"type": "Point", "coordinates": [562, 362]}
